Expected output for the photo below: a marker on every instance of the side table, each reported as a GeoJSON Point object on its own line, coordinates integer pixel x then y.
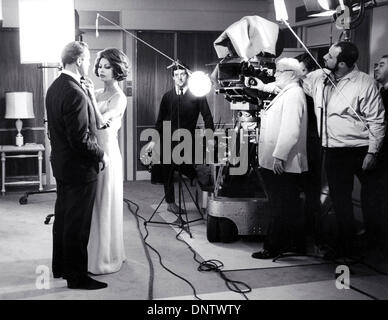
{"type": "Point", "coordinates": [29, 150]}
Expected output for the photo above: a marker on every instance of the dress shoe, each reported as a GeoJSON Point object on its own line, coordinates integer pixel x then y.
{"type": "Point", "coordinates": [86, 283]}
{"type": "Point", "coordinates": [264, 254]}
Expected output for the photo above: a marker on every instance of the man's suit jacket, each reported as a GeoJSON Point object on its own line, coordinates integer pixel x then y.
{"type": "Point", "coordinates": [75, 154]}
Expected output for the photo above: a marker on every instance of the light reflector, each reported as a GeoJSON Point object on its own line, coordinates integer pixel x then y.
{"type": "Point", "coordinates": [280, 10]}
{"type": "Point", "coordinates": [46, 26]}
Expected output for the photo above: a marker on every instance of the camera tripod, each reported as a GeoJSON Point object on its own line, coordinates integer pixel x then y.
{"type": "Point", "coordinates": [183, 224]}
{"type": "Point", "coordinates": [180, 222]}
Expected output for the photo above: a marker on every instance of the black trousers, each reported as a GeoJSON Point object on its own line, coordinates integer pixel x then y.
{"type": "Point", "coordinates": [168, 178]}
{"type": "Point", "coordinates": [286, 223]}
{"type": "Point", "coordinates": [378, 213]}
{"type": "Point", "coordinates": [73, 215]}
{"type": "Point", "coordinates": [342, 165]}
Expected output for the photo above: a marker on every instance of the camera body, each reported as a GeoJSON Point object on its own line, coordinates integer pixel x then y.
{"type": "Point", "coordinates": [231, 75]}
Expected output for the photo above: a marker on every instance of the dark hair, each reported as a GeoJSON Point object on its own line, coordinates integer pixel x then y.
{"type": "Point", "coordinates": [72, 52]}
{"type": "Point", "coordinates": [180, 66]}
{"type": "Point", "coordinates": [118, 61]}
{"type": "Point", "coordinates": [384, 56]}
{"type": "Point", "coordinates": [348, 54]}
{"type": "Point", "coordinates": [308, 61]}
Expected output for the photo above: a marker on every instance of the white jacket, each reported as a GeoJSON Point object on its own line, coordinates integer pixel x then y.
{"type": "Point", "coordinates": [340, 126]}
{"type": "Point", "coordinates": [283, 130]}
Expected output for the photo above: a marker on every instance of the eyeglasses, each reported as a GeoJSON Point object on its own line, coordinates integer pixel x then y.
{"type": "Point", "coordinates": [281, 71]}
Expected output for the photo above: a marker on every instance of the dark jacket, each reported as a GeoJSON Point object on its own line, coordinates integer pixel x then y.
{"type": "Point", "coordinates": [75, 154]}
{"type": "Point", "coordinates": [188, 107]}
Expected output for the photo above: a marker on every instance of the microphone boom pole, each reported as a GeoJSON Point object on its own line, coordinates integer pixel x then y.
{"type": "Point", "coordinates": [175, 62]}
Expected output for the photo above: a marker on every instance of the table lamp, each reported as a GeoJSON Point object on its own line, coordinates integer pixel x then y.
{"type": "Point", "coordinates": [18, 105]}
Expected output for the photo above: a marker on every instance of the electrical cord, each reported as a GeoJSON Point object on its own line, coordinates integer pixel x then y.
{"type": "Point", "coordinates": [216, 266]}
{"type": "Point", "coordinates": [151, 266]}
{"type": "Point", "coordinates": [137, 216]}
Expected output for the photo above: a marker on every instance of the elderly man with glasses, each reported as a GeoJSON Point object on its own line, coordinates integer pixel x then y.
{"type": "Point", "coordinates": [282, 158]}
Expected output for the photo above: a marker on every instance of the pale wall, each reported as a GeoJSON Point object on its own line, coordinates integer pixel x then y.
{"type": "Point", "coordinates": [165, 14]}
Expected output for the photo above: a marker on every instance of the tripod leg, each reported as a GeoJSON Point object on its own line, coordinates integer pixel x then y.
{"type": "Point", "coordinates": [195, 202]}
{"type": "Point", "coordinates": [149, 220]}
{"type": "Point", "coordinates": [186, 223]}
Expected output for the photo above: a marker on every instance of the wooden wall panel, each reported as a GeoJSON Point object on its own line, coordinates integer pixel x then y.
{"type": "Point", "coordinates": [152, 81]}
{"type": "Point", "coordinates": [197, 51]}
{"type": "Point", "coordinates": [19, 77]}
{"type": "Point", "coordinates": [361, 38]}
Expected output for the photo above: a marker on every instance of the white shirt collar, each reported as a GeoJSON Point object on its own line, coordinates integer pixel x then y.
{"type": "Point", "coordinates": [177, 90]}
{"type": "Point", "coordinates": [76, 77]}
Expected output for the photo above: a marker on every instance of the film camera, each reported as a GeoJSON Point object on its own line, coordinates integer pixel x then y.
{"type": "Point", "coordinates": [231, 75]}
{"type": "Point", "coordinates": [248, 49]}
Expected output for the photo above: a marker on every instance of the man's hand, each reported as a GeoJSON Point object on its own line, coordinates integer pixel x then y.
{"type": "Point", "coordinates": [369, 162]}
{"type": "Point", "coordinates": [150, 146]}
{"type": "Point", "coordinates": [259, 84]}
{"type": "Point", "coordinates": [107, 124]}
{"type": "Point", "coordinates": [278, 166]}
{"type": "Point", "coordinates": [104, 162]}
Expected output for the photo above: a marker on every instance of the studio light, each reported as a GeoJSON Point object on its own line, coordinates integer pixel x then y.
{"type": "Point", "coordinates": [46, 26]}
{"type": "Point", "coordinates": [280, 10]}
{"type": "Point", "coordinates": [324, 4]}
{"type": "Point", "coordinates": [199, 84]}
{"type": "Point", "coordinates": [1, 10]}
{"type": "Point", "coordinates": [320, 5]}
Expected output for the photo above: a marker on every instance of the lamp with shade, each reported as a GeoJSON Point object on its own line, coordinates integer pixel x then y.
{"type": "Point", "coordinates": [19, 105]}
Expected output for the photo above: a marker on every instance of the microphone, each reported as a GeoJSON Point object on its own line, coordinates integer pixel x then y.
{"type": "Point", "coordinates": [97, 34]}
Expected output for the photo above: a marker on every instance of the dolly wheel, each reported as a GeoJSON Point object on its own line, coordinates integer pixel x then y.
{"type": "Point", "coordinates": [23, 200]}
{"type": "Point", "coordinates": [228, 230]}
{"type": "Point", "coordinates": [212, 229]}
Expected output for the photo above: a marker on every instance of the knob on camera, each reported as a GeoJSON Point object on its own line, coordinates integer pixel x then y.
{"type": "Point", "coordinates": [252, 82]}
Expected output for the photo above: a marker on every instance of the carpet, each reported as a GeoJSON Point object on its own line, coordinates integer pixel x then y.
{"type": "Point", "coordinates": [234, 256]}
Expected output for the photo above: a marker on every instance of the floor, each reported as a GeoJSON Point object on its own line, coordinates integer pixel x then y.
{"type": "Point", "coordinates": [25, 259]}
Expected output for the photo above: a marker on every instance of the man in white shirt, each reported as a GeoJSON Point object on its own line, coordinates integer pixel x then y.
{"type": "Point", "coordinates": [352, 129]}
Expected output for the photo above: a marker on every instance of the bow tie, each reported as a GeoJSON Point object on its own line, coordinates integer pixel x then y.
{"type": "Point", "coordinates": [83, 85]}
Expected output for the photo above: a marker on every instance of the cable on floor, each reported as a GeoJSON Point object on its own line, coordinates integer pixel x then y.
{"type": "Point", "coordinates": [151, 266]}
{"type": "Point", "coordinates": [216, 266]}
{"type": "Point", "coordinates": [137, 216]}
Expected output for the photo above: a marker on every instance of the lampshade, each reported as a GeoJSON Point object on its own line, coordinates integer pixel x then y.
{"type": "Point", "coordinates": [18, 105]}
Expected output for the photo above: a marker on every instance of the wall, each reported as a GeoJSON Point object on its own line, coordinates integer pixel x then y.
{"type": "Point", "coordinates": [164, 14]}
{"type": "Point", "coordinates": [378, 43]}
{"type": "Point", "coordinates": [17, 77]}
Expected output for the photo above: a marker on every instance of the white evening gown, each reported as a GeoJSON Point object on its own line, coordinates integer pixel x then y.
{"type": "Point", "coordinates": [106, 243]}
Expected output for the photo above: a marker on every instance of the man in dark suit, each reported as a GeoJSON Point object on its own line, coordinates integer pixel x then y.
{"type": "Point", "coordinates": [381, 171]}
{"type": "Point", "coordinates": [182, 109]}
{"type": "Point", "coordinates": [75, 159]}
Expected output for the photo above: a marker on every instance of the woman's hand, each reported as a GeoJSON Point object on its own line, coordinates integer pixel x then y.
{"type": "Point", "coordinates": [89, 85]}
{"type": "Point", "coordinates": [278, 166]}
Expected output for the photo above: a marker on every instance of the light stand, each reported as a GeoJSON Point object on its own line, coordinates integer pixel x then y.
{"type": "Point", "coordinates": [179, 222]}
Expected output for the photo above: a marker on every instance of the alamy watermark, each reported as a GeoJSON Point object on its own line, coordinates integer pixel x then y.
{"type": "Point", "coordinates": [43, 279]}
{"type": "Point", "coordinates": [342, 277]}
{"type": "Point", "coordinates": [232, 147]}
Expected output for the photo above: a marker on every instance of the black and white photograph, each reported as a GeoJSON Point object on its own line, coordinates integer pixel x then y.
{"type": "Point", "coordinates": [193, 157]}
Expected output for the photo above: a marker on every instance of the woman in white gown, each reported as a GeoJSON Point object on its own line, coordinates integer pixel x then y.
{"type": "Point", "coordinates": [106, 252]}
